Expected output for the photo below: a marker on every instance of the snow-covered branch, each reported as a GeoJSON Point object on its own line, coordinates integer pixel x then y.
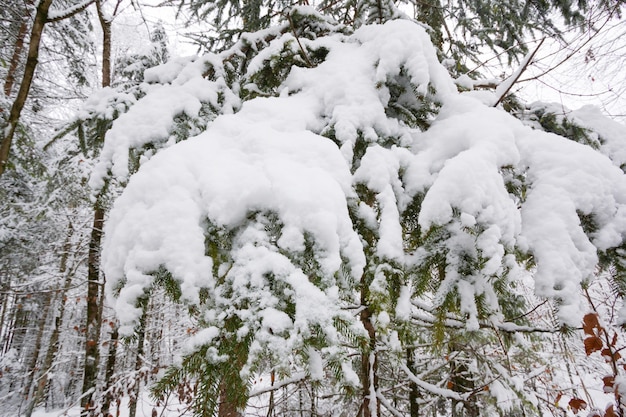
{"type": "Point", "coordinates": [57, 15]}
{"type": "Point", "coordinates": [504, 87]}
{"type": "Point", "coordinates": [433, 389]}
{"type": "Point", "coordinates": [300, 376]}
{"type": "Point", "coordinates": [453, 322]}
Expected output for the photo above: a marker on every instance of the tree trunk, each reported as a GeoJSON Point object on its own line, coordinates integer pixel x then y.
{"type": "Point", "coordinates": [369, 361]}
{"type": "Point", "coordinates": [53, 345]}
{"type": "Point", "coordinates": [106, 45]}
{"type": "Point", "coordinates": [5, 329]}
{"type": "Point", "coordinates": [93, 311]}
{"type": "Point", "coordinates": [226, 408]}
{"type": "Point", "coordinates": [369, 369]}
{"type": "Point", "coordinates": [462, 382]}
{"type": "Point", "coordinates": [414, 409]}
{"type": "Point", "coordinates": [17, 50]}
{"type": "Point", "coordinates": [32, 367]}
{"type": "Point", "coordinates": [93, 276]}
{"type": "Point", "coordinates": [110, 369]}
{"type": "Point", "coordinates": [29, 72]}
{"type": "Point", "coordinates": [141, 336]}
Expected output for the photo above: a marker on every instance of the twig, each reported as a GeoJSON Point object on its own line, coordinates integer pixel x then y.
{"type": "Point", "coordinates": [513, 78]}
{"type": "Point", "coordinates": [293, 29]}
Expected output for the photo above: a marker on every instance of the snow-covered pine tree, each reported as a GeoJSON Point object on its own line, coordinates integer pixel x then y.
{"type": "Point", "coordinates": [354, 208]}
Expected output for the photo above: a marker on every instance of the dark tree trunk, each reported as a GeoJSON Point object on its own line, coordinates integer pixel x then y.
{"type": "Point", "coordinates": [110, 369]}
{"type": "Point", "coordinates": [414, 409]}
{"type": "Point", "coordinates": [32, 367]}
{"type": "Point", "coordinates": [53, 344]}
{"type": "Point", "coordinates": [369, 360]}
{"type": "Point", "coordinates": [16, 57]}
{"type": "Point", "coordinates": [29, 72]}
{"type": "Point", "coordinates": [134, 395]}
{"type": "Point", "coordinates": [226, 408]}
{"type": "Point", "coordinates": [93, 311]}
{"type": "Point", "coordinates": [462, 382]}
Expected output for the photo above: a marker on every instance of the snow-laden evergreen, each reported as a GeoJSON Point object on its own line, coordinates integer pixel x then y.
{"type": "Point", "coordinates": [324, 213]}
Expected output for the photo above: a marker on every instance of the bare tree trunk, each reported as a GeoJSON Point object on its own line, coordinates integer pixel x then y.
{"type": "Point", "coordinates": [134, 396]}
{"type": "Point", "coordinates": [17, 50]}
{"type": "Point", "coordinates": [110, 369]}
{"type": "Point", "coordinates": [94, 309]}
{"type": "Point", "coordinates": [29, 72]}
{"type": "Point", "coordinates": [53, 345]}
{"type": "Point", "coordinates": [5, 328]}
{"type": "Point", "coordinates": [226, 408]}
{"type": "Point", "coordinates": [414, 409]}
{"type": "Point", "coordinates": [32, 366]}
{"type": "Point", "coordinates": [106, 45]}
{"type": "Point", "coordinates": [462, 382]}
{"type": "Point", "coordinates": [19, 325]}
{"type": "Point", "coordinates": [369, 361]}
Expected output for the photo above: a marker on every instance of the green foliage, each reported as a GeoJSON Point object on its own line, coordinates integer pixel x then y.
{"type": "Point", "coordinates": [202, 382]}
{"type": "Point", "coordinates": [266, 81]}
{"type": "Point", "coordinates": [562, 125]}
{"type": "Point", "coordinates": [233, 306]}
{"type": "Point", "coordinates": [408, 105]}
{"type": "Point", "coordinates": [230, 18]}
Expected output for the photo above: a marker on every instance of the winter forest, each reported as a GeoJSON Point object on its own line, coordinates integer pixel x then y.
{"type": "Point", "coordinates": [312, 208]}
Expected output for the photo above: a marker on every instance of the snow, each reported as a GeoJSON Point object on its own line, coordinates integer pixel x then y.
{"type": "Point", "coordinates": [269, 165]}
{"type": "Point", "coordinates": [612, 134]}
{"type": "Point", "coordinates": [403, 308]}
{"type": "Point", "coordinates": [65, 13]}
{"type": "Point", "coordinates": [316, 367]}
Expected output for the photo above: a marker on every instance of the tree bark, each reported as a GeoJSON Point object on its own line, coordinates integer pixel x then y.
{"type": "Point", "coordinates": [29, 72]}
{"type": "Point", "coordinates": [369, 360]}
{"type": "Point", "coordinates": [17, 50]}
{"type": "Point", "coordinates": [32, 367]}
{"type": "Point", "coordinates": [226, 408]}
{"type": "Point", "coordinates": [141, 337]}
{"type": "Point", "coordinates": [93, 311]}
{"type": "Point", "coordinates": [110, 369]}
{"type": "Point", "coordinates": [414, 409]}
{"type": "Point", "coordinates": [53, 345]}
{"type": "Point", "coordinates": [462, 382]}
{"type": "Point", "coordinates": [7, 299]}
{"type": "Point", "coordinates": [106, 45]}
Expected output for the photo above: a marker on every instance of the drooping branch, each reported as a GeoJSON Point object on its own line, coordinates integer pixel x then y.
{"type": "Point", "coordinates": [452, 322]}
